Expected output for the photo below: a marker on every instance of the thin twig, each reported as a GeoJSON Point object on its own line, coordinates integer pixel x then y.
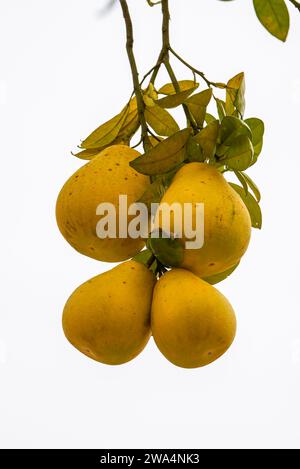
{"type": "Point", "coordinates": [193, 69]}
{"type": "Point", "coordinates": [152, 4]}
{"type": "Point", "coordinates": [134, 70]}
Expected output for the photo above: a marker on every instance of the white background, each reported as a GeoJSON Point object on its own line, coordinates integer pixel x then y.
{"type": "Point", "coordinates": [63, 71]}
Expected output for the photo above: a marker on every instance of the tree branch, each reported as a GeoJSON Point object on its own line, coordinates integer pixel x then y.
{"type": "Point", "coordinates": [296, 4]}
{"type": "Point", "coordinates": [165, 58]}
{"type": "Point", "coordinates": [134, 70]}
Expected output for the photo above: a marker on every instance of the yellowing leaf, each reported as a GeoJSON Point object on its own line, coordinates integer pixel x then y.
{"type": "Point", "coordinates": [161, 121]}
{"type": "Point", "coordinates": [164, 157]}
{"type": "Point", "coordinates": [157, 189]}
{"type": "Point", "coordinates": [183, 84]}
{"type": "Point", "coordinates": [274, 16]}
{"type": "Point", "coordinates": [198, 103]}
{"type": "Point", "coordinates": [131, 124]}
{"type": "Point", "coordinates": [235, 95]}
{"type": "Point", "coordinates": [106, 133]}
{"type": "Point", "coordinates": [251, 204]}
{"type": "Point", "coordinates": [221, 108]}
{"type": "Point", "coordinates": [175, 100]}
{"type": "Point", "coordinates": [87, 154]}
{"type": "Point", "coordinates": [155, 140]}
{"type": "Point", "coordinates": [148, 101]}
{"type": "Point", "coordinates": [151, 92]}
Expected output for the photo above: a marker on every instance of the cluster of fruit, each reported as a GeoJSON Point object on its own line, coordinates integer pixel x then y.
{"type": "Point", "coordinates": [111, 317]}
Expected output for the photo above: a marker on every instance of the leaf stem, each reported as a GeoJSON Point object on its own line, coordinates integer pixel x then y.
{"type": "Point", "coordinates": [134, 70]}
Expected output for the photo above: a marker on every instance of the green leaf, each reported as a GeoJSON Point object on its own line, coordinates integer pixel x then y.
{"type": "Point", "coordinates": [175, 100]}
{"type": "Point", "coordinates": [231, 128]}
{"type": "Point", "coordinates": [258, 129]}
{"type": "Point", "coordinates": [198, 104]}
{"type": "Point", "coordinates": [183, 85]}
{"type": "Point", "coordinates": [106, 133]}
{"type": "Point", "coordinates": [251, 204]}
{"type": "Point", "coordinates": [235, 95]}
{"type": "Point", "coordinates": [144, 257]}
{"type": "Point", "coordinates": [274, 16]}
{"type": "Point", "coordinates": [242, 180]}
{"type": "Point", "coordinates": [161, 121]}
{"type": "Point", "coordinates": [214, 279]}
{"type": "Point", "coordinates": [207, 139]}
{"type": "Point", "coordinates": [167, 250]}
{"type": "Point", "coordinates": [252, 186]}
{"type": "Point", "coordinates": [164, 157]}
{"type": "Point", "coordinates": [194, 151]}
{"type": "Point", "coordinates": [240, 154]}
{"type": "Point", "coordinates": [209, 118]}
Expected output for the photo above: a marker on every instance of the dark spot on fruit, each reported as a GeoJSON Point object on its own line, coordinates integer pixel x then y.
{"type": "Point", "coordinates": [70, 193]}
{"type": "Point", "coordinates": [117, 164]}
{"type": "Point", "coordinates": [132, 268]}
{"type": "Point", "coordinates": [126, 179]}
{"type": "Point", "coordinates": [92, 249]}
{"type": "Point", "coordinates": [212, 264]}
{"type": "Point", "coordinates": [124, 283]}
{"type": "Point", "coordinates": [110, 169]}
{"type": "Point", "coordinates": [209, 354]}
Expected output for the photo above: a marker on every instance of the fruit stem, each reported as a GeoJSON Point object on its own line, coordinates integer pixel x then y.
{"type": "Point", "coordinates": [151, 260]}
{"type": "Point", "coordinates": [133, 65]}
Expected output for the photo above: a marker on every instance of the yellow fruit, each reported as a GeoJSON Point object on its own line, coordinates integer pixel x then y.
{"type": "Point", "coordinates": [108, 317]}
{"type": "Point", "coordinates": [193, 324]}
{"type": "Point", "coordinates": [227, 228]}
{"type": "Point", "coordinates": [101, 180]}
